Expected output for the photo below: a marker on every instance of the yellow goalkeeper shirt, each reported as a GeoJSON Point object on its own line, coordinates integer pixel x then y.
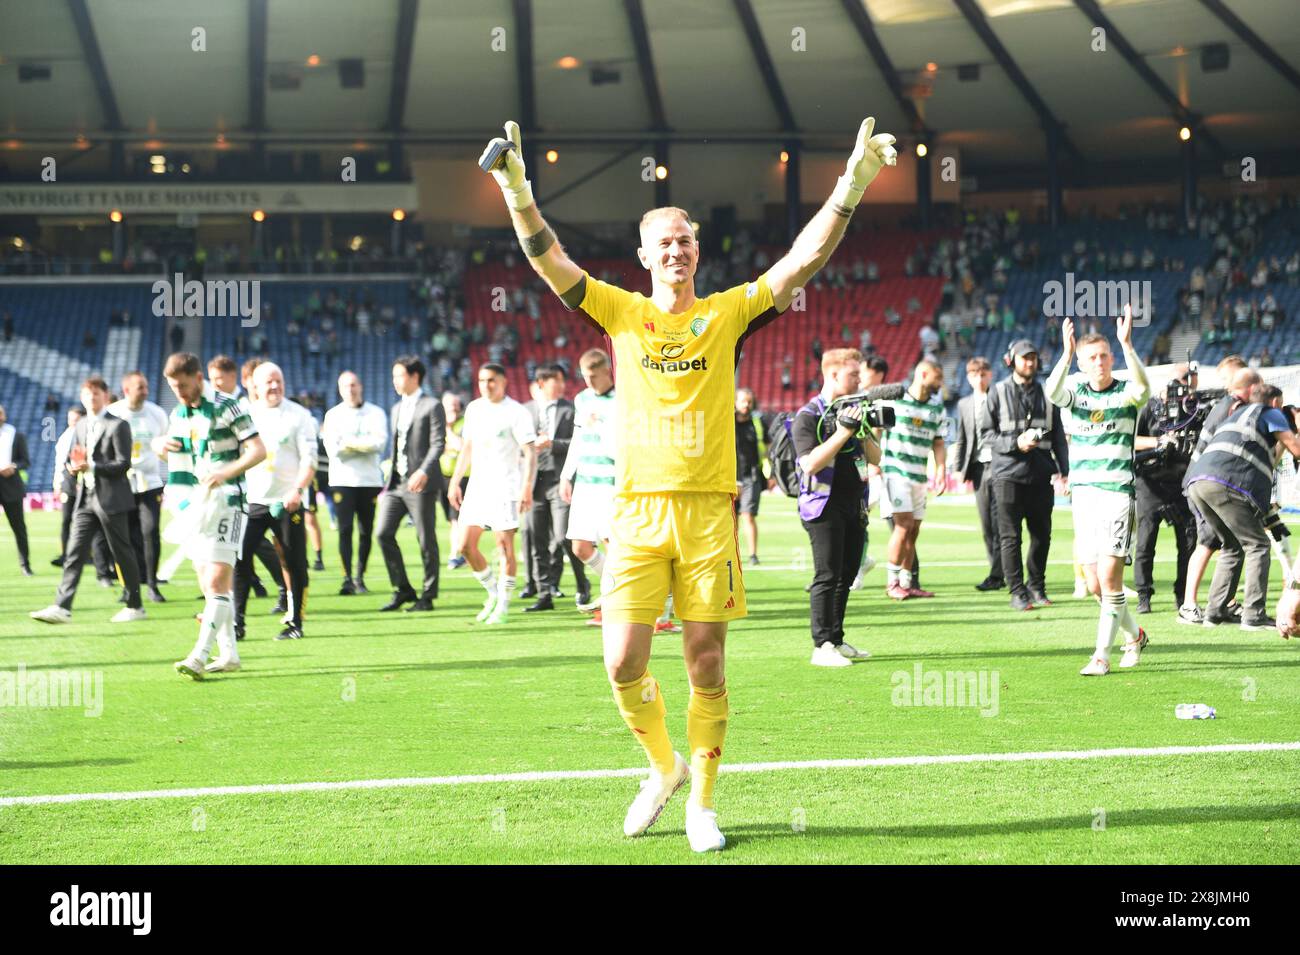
{"type": "Point", "coordinates": [676, 391]}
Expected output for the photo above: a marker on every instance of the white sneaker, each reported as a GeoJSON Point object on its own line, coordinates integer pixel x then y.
{"type": "Point", "coordinates": [702, 829]}
{"type": "Point", "coordinates": [1133, 651]}
{"type": "Point", "coordinates": [849, 652]}
{"type": "Point", "coordinates": [52, 614]}
{"type": "Point", "coordinates": [655, 792]}
{"type": "Point", "coordinates": [591, 606]}
{"type": "Point", "coordinates": [828, 655]}
{"type": "Point", "coordinates": [489, 605]}
{"type": "Point", "coordinates": [223, 665]}
{"type": "Point", "coordinates": [191, 667]}
{"type": "Point", "coordinates": [1097, 666]}
{"type": "Point", "coordinates": [128, 614]}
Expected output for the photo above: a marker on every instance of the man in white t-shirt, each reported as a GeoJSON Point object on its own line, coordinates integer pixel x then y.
{"type": "Point", "coordinates": [147, 421]}
{"type": "Point", "coordinates": [498, 449]}
{"type": "Point", "coordinates": [354, 433]}
{"type": "Point", "coordinates": [277, 488]}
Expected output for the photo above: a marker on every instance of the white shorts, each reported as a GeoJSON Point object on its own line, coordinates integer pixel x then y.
{"type": "Point", "coordinates": [1103, 523]}
{"type": "Point", "coordinates": [487, 507]}
{"type": "Point", "coordinates": [902, 494]}
{"type": "Point", "coordinates": [590, 512]}
{"type": "Point", "coordinates": [225, 545]}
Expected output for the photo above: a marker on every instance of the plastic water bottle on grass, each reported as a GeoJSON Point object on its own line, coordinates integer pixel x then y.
{"type": "Point", "coordinates": [1194, 711]}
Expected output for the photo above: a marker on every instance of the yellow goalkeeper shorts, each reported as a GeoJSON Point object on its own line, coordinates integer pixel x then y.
{"type": "Point", "coordinates": [685, 541]}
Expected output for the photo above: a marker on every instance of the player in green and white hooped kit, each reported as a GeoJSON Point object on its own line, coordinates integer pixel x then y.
{"type": "Point", "coordinates": [211, 442]}
{"type": "Point", "coordinates": [917, 432]}
{"type": "Point", "coordinates": [1100, 415]}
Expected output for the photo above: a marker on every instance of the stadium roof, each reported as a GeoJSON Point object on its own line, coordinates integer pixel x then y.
{"type": "Point", "coordinates": [614, 69]}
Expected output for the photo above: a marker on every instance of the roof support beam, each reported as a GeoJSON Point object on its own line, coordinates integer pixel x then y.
{"type": "Point", "coordinates": [646, 64]}
{"type": "Point", "coordinates": [406, 15]}
{"type": "Point", "coordinates": [766, 68]}
{"type": "Point", "coordinates": [975, 17]}
{"type": "Point", "coordinates": [527, 91]}
{"type": "Point", "coordinates": [95, 62]}
{"type": "Point", "coordinates": [1253, 40]}
{"type": "Point", "coordinates": [866, 30]}
{"type": "Point", "coordinates": [1182, 114]}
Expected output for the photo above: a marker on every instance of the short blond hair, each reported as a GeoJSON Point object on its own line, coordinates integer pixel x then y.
{"type": "Point", "coordinates": [595, 358]}
{"type": "Point", "coordinates": [665, 212]}
{"type": "Point", "coordinates": [837, 357]}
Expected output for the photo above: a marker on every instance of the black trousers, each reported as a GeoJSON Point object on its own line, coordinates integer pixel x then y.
{"type": "Point", "coordinates": [1240, 526]}
{"type": "Point", "coordinates": [838, 538]}
{"type": "Point", "coordinates": [396, 504]}
{"type": "Point", "coordinates": [145, 540]}
{"type": "Point", "coordinates": [1030, 505]}
{"type": "Point", "coordinates": [1155, 503]}
{"type": "Point", "coordinates": [98, 548]}
{"type": "Point", "coordinates": [548, 545]}
{"type": "Point", "coordinates": [86, 521]}
{"type": "Point", "coordinates": [986, 504]}
{"type": "Point", "coordinates": [291, 532]}
{"type": "Point", "coordinates": [18, 524]}
{"type": "Point", "coordinates": [355, 504]}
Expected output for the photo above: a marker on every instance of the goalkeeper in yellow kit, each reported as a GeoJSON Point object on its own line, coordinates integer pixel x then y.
{"type": "Point", "coordinates": [673, 525]}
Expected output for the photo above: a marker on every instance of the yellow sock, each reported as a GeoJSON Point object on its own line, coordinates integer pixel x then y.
{"type": "Point", "coordinates": [706, 730]}
{"type": "Point", "coordinates": [642, 707]}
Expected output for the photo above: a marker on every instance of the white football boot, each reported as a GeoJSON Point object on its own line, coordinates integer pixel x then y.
{"type": "Point", "coordinates": [128, 615]}
{"type": "Point", "coordinates": [655, 792]}
{"type": "Point", "coordinates": [191, 667]}
{"type": "Point", "coordinates": [1097, 666]}
{"type": "Point", "coordinates": [702, 830]}
{"type": "Point", "coordinates": [1133, 651]}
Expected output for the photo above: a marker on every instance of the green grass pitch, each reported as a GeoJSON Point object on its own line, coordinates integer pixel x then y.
{"type": "Point", "coordinates": [380, 696]}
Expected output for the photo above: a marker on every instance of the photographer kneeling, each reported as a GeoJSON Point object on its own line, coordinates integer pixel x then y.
{"type": "Point", "coordinates": [833, 499]}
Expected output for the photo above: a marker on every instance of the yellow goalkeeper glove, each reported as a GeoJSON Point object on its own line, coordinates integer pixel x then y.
{"type": "Point", "coordinates": [510, 177]}
{"type": "Point", "coordinates": [870, 153]}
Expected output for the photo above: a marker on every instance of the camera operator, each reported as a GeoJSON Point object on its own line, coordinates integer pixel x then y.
{"type": "Point", "coordinates": [1231, 486]}
{"type": "Point", "coordinates": [1024, 430]}
{"type": "Point", "coordinates": [1206, 541]}
{"type": "Point", "coordinates": [1160, 499]}
{"type": "Point", "coordinates": [833, 496]}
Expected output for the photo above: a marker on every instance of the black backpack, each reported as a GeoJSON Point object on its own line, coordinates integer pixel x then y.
{"type": "Point", "coordinates": [780, 449]}
{"type": "Point", "coordinates": [780, 454]}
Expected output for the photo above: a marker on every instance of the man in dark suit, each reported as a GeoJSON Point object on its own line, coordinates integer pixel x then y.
{"type": "Point", "coordinates": [419, 429]}
{"type": "Point", "coordinates": [971, 458]}
{"type": "Point", "coordinates": [13, 461]}
{"type": "Point", "coordinates": [100, 457]}
{"type": "Point", "coordinates": [548, 519]}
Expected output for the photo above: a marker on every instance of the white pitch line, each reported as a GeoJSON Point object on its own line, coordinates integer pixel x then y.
{"type": "Point", "coordinates": [554, 775]}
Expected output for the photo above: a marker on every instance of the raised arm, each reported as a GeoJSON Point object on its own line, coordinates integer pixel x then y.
{"type": "Point", "coordinates": [1139, 387]}
{"type": "Point", "coordinates": [1055, 388]}
{"type": "Point", "coordinates": [814, 245]}
{"type": "Point", "coordinates": [539, 243]}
